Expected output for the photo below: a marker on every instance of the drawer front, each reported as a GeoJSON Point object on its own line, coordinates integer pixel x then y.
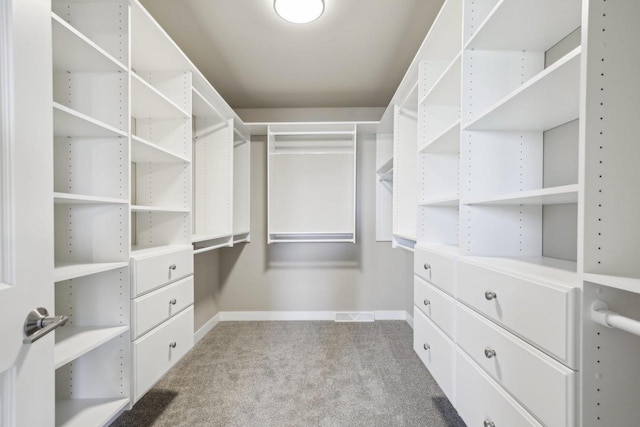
{"type": "Point", "coordinates": [543, 314]}
{"type": "Point", "coordinates": [152, 272]}
{"type": "Point", "coordinates": [154, 354]}
{"type": "Point", "coordinates": [439, 352]}
{"type": "Point", "coordinates": [149, 310]}
{"type": "Point", "coordinates": [435, 304]}
{"type": "Point", "coordinates": [542, 385]}
{"type": "Point", "coordinates": [436, 269]}
{"type": "Point", "coordinates": [480, 401]}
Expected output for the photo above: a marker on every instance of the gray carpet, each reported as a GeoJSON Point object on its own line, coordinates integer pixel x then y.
{"type": "Point", "coordinates": [297, 374]}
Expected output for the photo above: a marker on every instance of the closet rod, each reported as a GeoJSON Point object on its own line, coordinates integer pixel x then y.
{"type": "Point", "coordinates": [601, 314]}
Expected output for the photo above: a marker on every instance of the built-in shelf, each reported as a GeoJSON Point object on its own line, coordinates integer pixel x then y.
{"type": "Point", "coordinates": [70, 123]}
{"type": "Point", "coordinates": [87, 412]}
{"type": "Point", "coordinates": [200, 107]}
{"type": "Point", "coordinates": [546, 196]}
{"type": "Point", "coordinates": [385, 168]}
{"type": "Point", "coordinates": [629, 284]}
{"type": "Point", "coordinates": [148, 209]}
{"type": "Point", "coordinates": [405, 236]}
{"type": "Point", "coordinates": [449, 250]}
{"type": "Point", "coordinates": [547, 100]}
{"type": "Point", "coordinates": [75, 341]}
{"type": "Point", "coordinates": [143, 151]}
{"type": "Point", "coordinates": [66, 271]}
{"type": "Point", "coordinates": [526, 25]}
{"type": "Point", "coordinates": [446, 90]}
{"type": "Point", "coordinates": [150, 251]}
{"type": "Point", "coordinates": [558, 271]}
{"type": "Point", "coordinates": [73, 51]}
{"type": "Point", "coordinates": [311, 238]}
{"type": "Point", "coordinates": [149, 102]}
{"type": "Point", "coordinates": [447, 142]}
{"type": "Point", "coordinates": [79, 199]}
{"type": "Point", "coordinates": [442, 201]}
{"type": "Point", "coordinates": [225, 244]}
{"type": "Point", "coordinates": [196, 238]}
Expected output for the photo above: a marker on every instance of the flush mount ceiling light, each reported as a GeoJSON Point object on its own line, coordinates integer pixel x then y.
{"type": "Point", "coordinates": [299, 11]}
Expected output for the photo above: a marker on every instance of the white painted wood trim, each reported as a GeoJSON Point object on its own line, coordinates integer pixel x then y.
{"type": "Point", "coordinates": [206, 328]}
{"type": "Point", "coordinates": [409, 319]}
{"type": "Point", "coordinates": [261, 316]}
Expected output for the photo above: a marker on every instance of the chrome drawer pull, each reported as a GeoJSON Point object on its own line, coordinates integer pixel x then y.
{"type": "Point", "coordinates": [172, 267]}
{"type": "Point", "coordinates": [427, 266]}
{"type": "Point", "coordinates": [173, 345]}
{"type": "Point", "coordinates": [489, 295]}
{"type": "Point", "coordinates": [426, 346]}
{"type": "Point", "coordinates": [426, 302]}
{"type": "Point", "coordinates": [489, 352]}
{"type": "Point", "coordinates": [489, 423]}
{"type": "Point", "coordinates": [173, 301]}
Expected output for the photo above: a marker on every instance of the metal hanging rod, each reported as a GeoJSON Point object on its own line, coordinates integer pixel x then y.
{"type": "Point", "coordinates": [601, 314]}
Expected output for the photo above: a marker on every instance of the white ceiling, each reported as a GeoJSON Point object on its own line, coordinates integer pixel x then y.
{"type": "Point", "coordinates": [353, 56]}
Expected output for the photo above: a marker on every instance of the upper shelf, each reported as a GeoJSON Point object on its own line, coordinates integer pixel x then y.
{"type": "Point", "coordinates": [201, 107]}
{"type": "Point", "coordinates": [74, 341]}
{"type": "Point", "coordinates": [547, 196]}
{"type": "Point", "coordinates": [143, 151]}
{"type": "Point", "coordinates": [447, 142]}
{"type": "Point", "coordinates": [446, 90]}
{"type": "Point", "coordinates": [547, 100]}
{"type": "Point", "coordinates": [73, 124]}
{"type": "Point", "coordinates": [148, 102]}
{"type": "Point", "coordinates": [529, 25]}
{"type": "Point", "coordinates": [73, 51]}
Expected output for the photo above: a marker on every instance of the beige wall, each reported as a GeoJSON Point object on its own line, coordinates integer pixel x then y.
{"type": "Point", "coordinates": [366, 276]}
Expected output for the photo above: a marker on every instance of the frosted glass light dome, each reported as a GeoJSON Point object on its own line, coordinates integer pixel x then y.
{"type": "Point", "coordinates": [299, 11]}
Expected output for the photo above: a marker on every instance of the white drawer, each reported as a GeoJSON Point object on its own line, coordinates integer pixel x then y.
{"type": "Point", "coordinates": [542, 385]}
{"type": "Point", "coordinates": [435, 350]}
{"type": "Point", "coordinates": [149, 310]}
{"type": "Point", "coordinates": [542, 313]}
{"type": "Point", "coordinates": [435, 304]}
{"type": "Point", "coordinates": [480, 401]}
{"type": "Point", "coordinates": [435, 268]}
{"type": "Point", "coordinates": [152, 271]}
{"type": "Point", "coordinates": [155, 353]}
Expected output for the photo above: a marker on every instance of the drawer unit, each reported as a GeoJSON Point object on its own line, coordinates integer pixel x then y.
{"type": "Point", "coordinates": [151, 309]}
{"type": "Point", "coordinates": [542, 385]}
{"type": "Point", "coordinates": [435, 268]}
{"type": "Point", "coordinates": [482, 402]}
{"type": "Point", "coordinates": [542, 313]}
{"type": "Point", "coordinates": [152, 271]}
{"type": "Point", "coordinates": [435, 350]}
{"type": "Point", "coordinates": [155, 353]}
{"type": "Point", "coordinates": [435, 304]}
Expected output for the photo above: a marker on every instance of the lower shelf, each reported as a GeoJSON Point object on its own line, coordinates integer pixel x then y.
{"type": "Point", "coordinates": [87, 412]}
{"type": "Point", "coordinates": [74, 341]}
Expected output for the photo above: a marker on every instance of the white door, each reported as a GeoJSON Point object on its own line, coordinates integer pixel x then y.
{"type": "Point", "coordinates": [27, 395]}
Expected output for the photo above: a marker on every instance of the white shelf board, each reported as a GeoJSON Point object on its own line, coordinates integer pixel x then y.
{"type": "Point", "coordinates": [629, 284]}
{"type": "Point", "coordinates": [447, 142]}
{"type": "Point", "coordinates": [72, 51]}
{"type": "Point", "coordinates": [143, 151]}
{"type": "Point", "coordinates": [546, 101]}
{"type": "Point", "coordinates": [405, 236]}
{"type": "Point", "coordinates": [449, 250]}
{"type": "Point", "coordinates": [71, 123]}
{"type": "Point", "coordinates": [140, 208]}
{"type": "Point", "coordinates": [152, 251]}
{"type": "Point", "coordinates": [226, 244]}
{"type": "Point", "coordinates": [546, 196]}
{"type": "Point", "coordinates": [87, 412]}
{"type": "Point", "coordinates": [385, 168]}
{"type": "Point", "coordinates": [79, 199]}
{"type": "Point", "coordinates": [527, 25]}
{"type": "Point", "coordinates": [68, 270]}
{"type": "Point", "coordinates": [446, 90]}
{"type": "Point", "coordinates": [74, 341]}
{"type": "Point", "coordinates": [548, 269]}
{"type": "Point", "coordinates": [443, 201]}
{"type": "Point", "coordinates": [200, 107]}
{"type": "Point", "coordinates": [148, 102]}
{"type": "Point", "coordinates": [195, 238]}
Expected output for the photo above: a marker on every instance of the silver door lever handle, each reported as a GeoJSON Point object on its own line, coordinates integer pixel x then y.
{"type": "Point", "coordinates": [39, 324]}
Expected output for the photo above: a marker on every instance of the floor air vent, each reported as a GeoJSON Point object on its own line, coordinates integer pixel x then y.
{"type": "Point", "coordinates": [362, 316]}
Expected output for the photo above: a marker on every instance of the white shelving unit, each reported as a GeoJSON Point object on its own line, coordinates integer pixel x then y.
{"type": "Point", "coordinates": [384, 187]}
{"type": "Point", "coordinates": [91, 192]}
{"type": "Point", "coordinates": [311, 183]}
{"type": "Point", "coordinates": [241, 187]}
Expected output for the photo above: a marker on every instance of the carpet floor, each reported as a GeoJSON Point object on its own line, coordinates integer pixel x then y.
{"type": "Point", "coordinates": [268, 374]}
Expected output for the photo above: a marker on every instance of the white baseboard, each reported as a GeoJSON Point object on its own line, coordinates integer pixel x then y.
{"type": "Point", "coordinates": [409, 319]}
{"type": "Point", "coordinates": [261, 316]}
{"type": "Point", "coordinates": [204, 330]}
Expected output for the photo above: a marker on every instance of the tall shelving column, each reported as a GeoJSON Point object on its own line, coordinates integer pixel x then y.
{"type": "Point", "coordinates": [91, 191]}
{"type": "Point", "coordinates": [241, 186]}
